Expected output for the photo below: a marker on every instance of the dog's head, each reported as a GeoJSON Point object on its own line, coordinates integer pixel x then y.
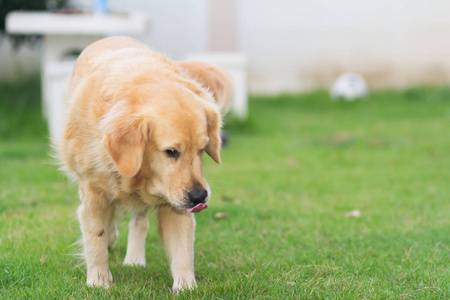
{"type": "Point", "coordinates": [161, 142]}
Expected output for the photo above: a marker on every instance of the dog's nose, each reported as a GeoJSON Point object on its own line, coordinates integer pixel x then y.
{"type": "Point", "coordinates": [197, 196]}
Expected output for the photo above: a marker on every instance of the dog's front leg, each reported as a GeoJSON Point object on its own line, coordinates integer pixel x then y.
{"type": "Point", "coordinates": [137, 234]}
{"type": "Point", "coordinates": [177, 231]}
{"type": "Point", "coordinates": [96, 217]}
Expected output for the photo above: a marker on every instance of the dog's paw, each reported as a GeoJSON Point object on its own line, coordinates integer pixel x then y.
{"type": "Point", "coordinates": [99, 278]}
{"type": "Point", "coordinates": [183, 281]}
{"type": "Point", "coordinates": [134, 260]}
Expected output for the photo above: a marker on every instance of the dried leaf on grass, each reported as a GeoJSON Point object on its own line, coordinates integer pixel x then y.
{"type": "Point", "coordinates": [353, 214]}
{"type": "Point", "coordinates": [221, 215]}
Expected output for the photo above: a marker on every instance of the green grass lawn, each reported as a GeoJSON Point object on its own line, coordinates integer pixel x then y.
{"type": "Point", "coordinates": [288, 177]}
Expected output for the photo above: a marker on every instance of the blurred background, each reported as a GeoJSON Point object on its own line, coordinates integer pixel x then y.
{"type": "Point", "coordinates": [290, 45]}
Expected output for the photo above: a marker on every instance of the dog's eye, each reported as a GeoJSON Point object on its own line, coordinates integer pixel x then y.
{"type": "Point", "coordinates": [172, 153]}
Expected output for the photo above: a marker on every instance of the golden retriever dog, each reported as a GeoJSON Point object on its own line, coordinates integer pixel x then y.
{"type": "Point", "coordinates": [136, 128]}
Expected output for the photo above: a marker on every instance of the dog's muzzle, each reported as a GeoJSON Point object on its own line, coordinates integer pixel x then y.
{"type": "Point", "coordinates": [196, 200]}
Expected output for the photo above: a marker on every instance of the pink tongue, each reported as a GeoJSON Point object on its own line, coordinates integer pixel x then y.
{"type": "Point", "coordinates": [198, 208]}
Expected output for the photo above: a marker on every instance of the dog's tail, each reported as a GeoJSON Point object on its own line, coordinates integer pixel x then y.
{"type": "Point", "coordinates": [215, 79]}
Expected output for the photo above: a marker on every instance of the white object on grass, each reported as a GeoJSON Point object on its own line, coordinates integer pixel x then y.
{"type": "Point", "coordinates": [349, 86]}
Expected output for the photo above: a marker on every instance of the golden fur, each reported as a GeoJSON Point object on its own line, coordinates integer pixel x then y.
{"type": "Point", "coordinates": [217, 81]}
{"type": "Point", "coordinates": [136, 127]}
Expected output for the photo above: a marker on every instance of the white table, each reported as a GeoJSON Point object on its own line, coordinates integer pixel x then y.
{"type": "Point", "coordinates": [65, 33]}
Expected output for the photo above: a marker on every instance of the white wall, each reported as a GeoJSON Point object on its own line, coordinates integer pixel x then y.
{"type": "Point", "coordinates": [294, 45]}
{"type": "Point", "coordinates": [176, 26]}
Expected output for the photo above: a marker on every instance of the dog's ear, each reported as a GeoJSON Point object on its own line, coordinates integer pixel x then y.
{"type": "Point", "coordinates": [214, 121]}
{"type": "Point", "coordinates": [124, 137]}
{"type": "Point", "coordinates": [213, 78]}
